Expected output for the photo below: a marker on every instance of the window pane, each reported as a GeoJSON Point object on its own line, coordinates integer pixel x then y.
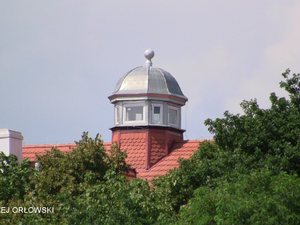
{"type": "Point", "coordinates": [156, 110]}
{"type": "Point", "coordinates": [173, 116]}
{"type": "Point", "coordinates": [118, 114]}
{"type": "Point", "coordinates": [134, 113]}
{"type": "Point", "coordinates": [156, 115]}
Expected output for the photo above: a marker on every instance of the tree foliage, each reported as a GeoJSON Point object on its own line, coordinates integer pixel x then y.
{"type": "Point", "coordinates": [259, 139]}
{"type": "Point", "coordinates": [14, 178]}
{"type": "Point", "coordinates": [64, 182]}
{"type": "Point", "coordinates": [256, 198]}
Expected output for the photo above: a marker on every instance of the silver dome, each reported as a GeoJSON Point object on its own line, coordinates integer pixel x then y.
{"type": "Point", "coordinates": [145, 80]}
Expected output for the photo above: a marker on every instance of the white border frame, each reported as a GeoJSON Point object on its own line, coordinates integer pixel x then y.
{"type": "Point", "coordinates": [117, 114]}
{"type": "Point", "coordinates": [136, 122]}
{"type": "Point", "coordinates": [160, 114]}
{"type": "Point", "coordinates": [177, 118]}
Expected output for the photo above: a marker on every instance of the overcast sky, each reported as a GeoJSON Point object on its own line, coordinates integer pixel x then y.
{"type": "Point", "coordinates": [61, 59]}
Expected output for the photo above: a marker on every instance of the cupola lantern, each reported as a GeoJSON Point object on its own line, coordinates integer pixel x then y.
{"type": "Point", "coordinates": [148, 99]}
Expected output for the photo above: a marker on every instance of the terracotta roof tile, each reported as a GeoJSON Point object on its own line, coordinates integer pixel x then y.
{"type": "Point", "coordinates": [180, 150]}
{"type": "Point", "coordinates": [136, 154]}
{"type": "Point", "coordinates": [30, 151]}
{"type": "Point", "coordinates": [135, 147]}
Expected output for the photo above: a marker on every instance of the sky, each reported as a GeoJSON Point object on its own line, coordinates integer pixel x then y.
{"type": "Point", "coordinates": [61, 59]}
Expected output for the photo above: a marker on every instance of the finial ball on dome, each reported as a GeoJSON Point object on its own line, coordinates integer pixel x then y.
{"type": "Point", "coordinates": [149, 54]}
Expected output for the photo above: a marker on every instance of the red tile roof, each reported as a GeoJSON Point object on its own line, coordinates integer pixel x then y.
{"type": "Point", "coordinates": [135, 155]}
{"type": "Point", "coordinates": [180, 150]}
{"type": "Point", "coordinates": [30, 151]}
{"type": "Point", "coordinates": [135, 147]}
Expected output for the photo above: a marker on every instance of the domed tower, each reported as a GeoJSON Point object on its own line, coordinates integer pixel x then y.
{"type": "Point", "coordinates": [147, 102]}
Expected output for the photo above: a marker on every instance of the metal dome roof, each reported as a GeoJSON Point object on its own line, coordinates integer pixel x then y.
{"type": "Point", "coordinates": [147, 79]}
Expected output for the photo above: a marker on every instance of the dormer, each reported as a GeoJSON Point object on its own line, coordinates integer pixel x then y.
{"type": "Point", "coordinates": [148, 96]}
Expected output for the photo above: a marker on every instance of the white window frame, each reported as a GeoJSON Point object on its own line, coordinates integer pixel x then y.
{"type": "Point", "coordinates": [135, 122]}
{"type": "Point", "coordinates": [160, 113]}
{"type": "Point", "coordinates": [177, 118]}
{"type": "Point", "coordinates": [118, 114]}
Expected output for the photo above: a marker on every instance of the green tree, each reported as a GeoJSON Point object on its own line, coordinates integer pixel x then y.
{"type": "Point", "coordinates": [259, 139]}
{"type": "Point", "coordinates": [64, 180]}
{"type": "Point", "coordinates": [86, 163]}
{"type": "Point", "coordinates": [14, 178]}
{"type": "Point", "coordinates": [115, 201]}
{"type": "Point", "coordinates": [256, 198]}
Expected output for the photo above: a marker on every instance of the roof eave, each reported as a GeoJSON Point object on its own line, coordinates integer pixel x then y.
{"type": "Point", "coordinates": [181, 100]}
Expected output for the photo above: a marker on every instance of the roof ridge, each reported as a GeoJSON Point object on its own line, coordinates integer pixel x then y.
{"type": "Point", "coordinates": [55, 145]}
{"type": "Point", "coordinates": [190, 141]}
{"type": "Point", "coordinates": [46, 145]}
{"type": "Point", "coordinates": [162, 73]}
{"type": "Point", "coordinates": [161, 160]}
